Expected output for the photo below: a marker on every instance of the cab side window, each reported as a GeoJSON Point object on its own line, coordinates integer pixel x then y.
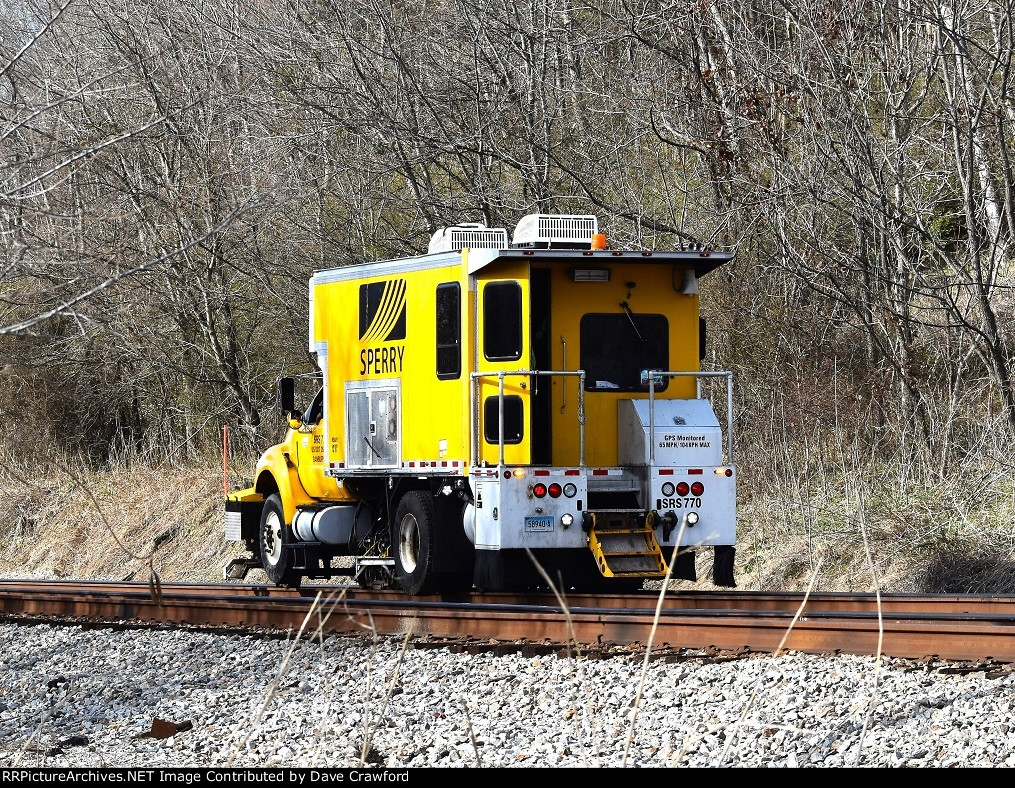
{"type": "Point", "coordinates": [316, 410]}
{"type": "Point", "coordinates": [449, 331]}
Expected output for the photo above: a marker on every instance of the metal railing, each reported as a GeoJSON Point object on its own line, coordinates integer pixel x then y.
{"type": "Point", "coordinates": [476, 437]}
{"type": "Point", "coordinates": [651, 376]}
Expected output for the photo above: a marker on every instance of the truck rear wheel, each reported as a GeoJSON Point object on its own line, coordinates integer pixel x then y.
{"type": "Point", "coordinates": [414, 543]}
{"type": "Point", "coordinates": [276, 560]}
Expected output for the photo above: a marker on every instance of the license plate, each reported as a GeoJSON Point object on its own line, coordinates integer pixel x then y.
{"type": "Point", "coordinates": [538, 523]}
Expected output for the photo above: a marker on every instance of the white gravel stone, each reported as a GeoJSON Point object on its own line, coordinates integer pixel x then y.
{"type": "Point", "coordinates": [268, 702]}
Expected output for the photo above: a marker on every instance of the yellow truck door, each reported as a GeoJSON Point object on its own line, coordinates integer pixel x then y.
{"type": "Point", "coordinates": [502, 346]}
{"type": "Point", "coordinates": [310, 459]}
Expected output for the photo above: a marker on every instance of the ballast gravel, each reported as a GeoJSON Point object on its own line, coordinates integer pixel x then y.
{"type": "Point", "coordinates": [89, 697]}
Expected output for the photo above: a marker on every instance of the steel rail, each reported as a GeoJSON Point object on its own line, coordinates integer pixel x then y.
{"type": "Point", "coordinates": [733, 600]}
{"type": "Point", "coordinates": [947, 627]}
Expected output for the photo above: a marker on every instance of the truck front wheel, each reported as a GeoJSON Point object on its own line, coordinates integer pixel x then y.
{"type": "Point", "coordinates": [276, 560]}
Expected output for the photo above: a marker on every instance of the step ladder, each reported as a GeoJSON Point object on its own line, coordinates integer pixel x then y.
{"type": "Point", "coordinates": [624, 544]}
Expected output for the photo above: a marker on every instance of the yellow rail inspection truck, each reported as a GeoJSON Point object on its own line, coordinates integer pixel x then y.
{"type": "Point", "coordinates": [501, 415]}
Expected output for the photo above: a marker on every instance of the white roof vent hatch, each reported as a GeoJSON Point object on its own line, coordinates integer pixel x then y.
{"type": "Point", "coordinates": [555, 231]}
{"type": "Point", "coordinates": [471, 235]}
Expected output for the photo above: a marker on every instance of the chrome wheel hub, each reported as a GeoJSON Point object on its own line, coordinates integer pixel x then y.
{"type": "Point", "coordinates": [273, 538]}
{"type": "Point", "coordinates": [408, 543]}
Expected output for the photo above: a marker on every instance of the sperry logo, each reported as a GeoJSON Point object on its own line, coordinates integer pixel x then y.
{"type": "Point", "coordinates": [381, 319]}
{"type": "Point", "coordinates": [382, 311]}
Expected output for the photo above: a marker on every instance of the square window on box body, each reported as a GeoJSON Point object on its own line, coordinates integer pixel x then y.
{"type": "Point", "coordinates": [590, 275]}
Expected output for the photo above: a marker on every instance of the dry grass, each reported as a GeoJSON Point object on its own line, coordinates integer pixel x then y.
{"type": "Point", "coordinates": [67, 521]}
{"type": "Point", "coordinates": [953, 536]}
{"type": "Point", "coordinates": [956, 536]}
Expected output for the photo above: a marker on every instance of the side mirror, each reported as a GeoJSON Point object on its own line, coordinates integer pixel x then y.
{"type": "Point", "coordinates": [287, 395]}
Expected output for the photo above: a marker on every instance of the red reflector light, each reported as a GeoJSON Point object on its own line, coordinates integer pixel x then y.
{"type": "Point", "coordinates": [555, 490]}
{"type": "Point", "coordinates": [600, 472]}
{"type": "Point", "coordinates": [575, 472]}
{"type": "Point", "coordinates": [541, 473]}
{"type": "Point", "coordinates": [682, 489]}
{"type": "Point", "coordinates": [694, 471]}
{"type": "Point", "coordinates": [665, 471]}
{"type": "Point", "coordinates": [697, 488]}
{"type": "Point", "coordinates": [539, 490]}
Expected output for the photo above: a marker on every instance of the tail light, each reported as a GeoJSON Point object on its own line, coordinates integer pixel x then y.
{"type": "Point", "coordinates": [539, 490]}
{"type": "Point", "coordinates": [555, 490]}
{"type": "Point", "coordinates": [682, 489]}
{"type": "Point", "coordinates": [697, 488]}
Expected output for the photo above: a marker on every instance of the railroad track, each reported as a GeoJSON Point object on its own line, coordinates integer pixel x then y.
{"type": "Point", "coordinates": [721, 624]}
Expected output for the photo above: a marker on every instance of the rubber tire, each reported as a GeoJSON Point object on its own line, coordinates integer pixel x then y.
{"type": "Point", "coordinates": [413, 541]}
{"type": "Point", "coordinates": [277, 561]}
{"type": "Point", "coordinates": [456, 556]}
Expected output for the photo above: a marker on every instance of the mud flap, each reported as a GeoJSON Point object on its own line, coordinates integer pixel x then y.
{"type": "Point", "coordinates": [488, 572]}
{"type": "Point", "coordinates": [722, 566]}
{"type": "Point", "coordinates": [684, 568]}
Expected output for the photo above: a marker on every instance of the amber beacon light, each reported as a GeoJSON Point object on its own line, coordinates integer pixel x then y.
{"type": "Point", "coordinates": [599, 241]}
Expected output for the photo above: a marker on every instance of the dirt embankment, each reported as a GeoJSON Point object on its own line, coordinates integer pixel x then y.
{"type": "Point", "coordinates": [115, 525]}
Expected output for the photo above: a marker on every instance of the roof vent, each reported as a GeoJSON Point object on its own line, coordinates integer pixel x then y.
{"type": "Point", "coordinates": [559, 231]}
{"type": "Point", "coordinates": [468, 235]}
